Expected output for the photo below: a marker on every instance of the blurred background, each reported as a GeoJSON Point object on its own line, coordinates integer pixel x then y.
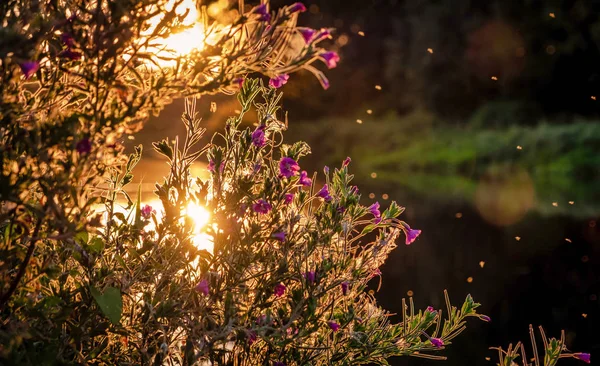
{"type": "Point", "coordinates": [481, 117]}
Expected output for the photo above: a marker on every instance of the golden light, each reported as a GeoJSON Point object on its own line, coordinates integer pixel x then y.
{"type": "Point", "coordinates": [201, 217]}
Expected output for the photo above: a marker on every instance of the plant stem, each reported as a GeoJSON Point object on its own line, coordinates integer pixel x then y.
{"type": "Point", "coordinates": [4, 299]}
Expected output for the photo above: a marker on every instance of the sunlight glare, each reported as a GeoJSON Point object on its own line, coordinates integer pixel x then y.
{"type": "Point", "coordinates": [200, 216]}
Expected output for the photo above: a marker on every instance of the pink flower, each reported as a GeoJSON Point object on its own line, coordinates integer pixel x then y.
{"type": "Point", "coordinates": [308, 34]}
{"type": "Point", "coordinates": [585, 357]}
{"type": "Point", "coordinates": [437, 342]}
{"type": "Point", "coordinates": [261, 206]}
{"type": "Point", "coordinates": [411, 234]}
{"type": "Point", "coordinates": [288, 167]}
{"type": "Point", "coordinates": [203, 287]}
{"type": "Point", "coordinates": [147, 211]}
{"type": "Point", "coordinates": [288, 198]}
{"type": "Point", "coordinates": [485, 318]}
{"type": "Point", "coordinates": [252, 337]}
{"type": "Point", "coordinates": [374, 210]}
{"type": "Point", "coordinates": [333, 325]}
{"type": "Point", "coordinates": [346, 162]}
{"type": "Point", "coordinates": [279, 81]}
{"type": "Point", "coordinates": [211, 166]}
{"type": "Point", "coordinates": [430, 309]}
{"type": "Point", "coordinates": [238, 81]}
{"type": "Point", "coordinates": [345, 286]}
{"type": "Point", "coordinates": [297, 7]}
{"type": "Point", "coordinates": [262, 11]}
{"type": "Point", "coordinates": [28, 68]}
{"type": "Point", "coordinates": [70, 54]}
{"type": "Point", "coordinates": [330, 58]}
{"type": "Point", "coordinates": [279, 289]}
{"type": "Point", "coordinates": [324, 193]}
{"type": "Point", "coordinates": [67, 39]}
{"type": "Point", "coordinates": [279, 236]}
{"type": "Point", "coordinates": [84, 146]}
{"type": "Point", "coordinates": [310, 276]}
{"type": "Point", "coordinates": [258, 136]}
{"type": "Point", "coordinates": [304, 179]}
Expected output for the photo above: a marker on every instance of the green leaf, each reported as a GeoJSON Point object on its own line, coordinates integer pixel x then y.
{"type": "Point", "coordinates": [96, 245]}
{"type": "Point", "coordinates": [81, 237]}
{"type": "Point", "coordinates": [110, 303]}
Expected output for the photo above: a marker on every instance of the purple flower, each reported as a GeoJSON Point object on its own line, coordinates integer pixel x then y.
{"type": "Point", "coordinates": [374, 210]}
{"type": "Point", "coordinates": [297, 7]}
{"type": "Point", "coordinates": [147, 211]}
{"type": "Point", "coordinates": [346, 162]}
{"type": "Point", "coordinates": [437, 342]}
{"type": "Point", "coordinates": [29, 68]}
{"type": "Point", "coordinates": [308, 34]}
{"type": "Point", "coordinates": [84, 146]}
{"type": "Point", "coordinates": [252, 337]}
{"type": "Point", "coordinates": [430, 309]}
{"type": "Point", "coordinates": [345, 286]}
{"type": "Point", "coordinates": [258, 136]}
{"type": "Point", "coordinates": [330, 58]}
{"type": "Point", "coordinates": [238, 81]}
{"type": "Point", "coordinates": [310, 276]}
{"type": "Point", "coordinates": [288, 198]}
{"type": "Point", "coordinates": [67, 39]}
{"type": "Point", "coordinates": [279, 236]}
{"type": "Point", "coordinates": [70, 54]}
{"type": "Point", "coordinates": [262, 11]}
{"type": "Point", "coordinates": [411, 234]}
{"type": "Point", "coordinates": [279, 289]}
{"type": "Point", "coordinates": [261, 206]}
{"type": "Point", "coordinates": [279, 363]}
{"type": "Point", "coordinates": [324, 193]}
{"type": "Point", "coordinates": [304, 179]}
{"type": "Point", "coordinates": [326, 169]}
{"type": "Point", "coordinates": [279, 81]}
{"type": "Point", "coordinates": [211, 166]}
{"type": "Point", "coordinates": [288, 167]}
{"type": "Point", "coordinates": [323, 33]}
{"type": "Point", "coordinates": [585, 357]}
{"type": "Point", "coordinates": [203, 287]}
{"type": "Point", "coordinates": [333, 325]}
{"type": "Point", "coordinates": [485, 318]}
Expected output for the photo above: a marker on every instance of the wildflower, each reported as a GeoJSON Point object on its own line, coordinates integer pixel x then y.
{"type": "Point", "coordinates": [333, 325]}
{"type": "Point", "coordinates": [323, 33]}
{"type": "Point", "coordinates": [252, 337]}
{"type": "Point", "coordinates": [203, 287]}
{"type": "Point", "coordinates": [238, 81]}
{"type": "Point", "coordinates": [374, 210]}
{"type": "Point", "coordinates": [279, 236]}
{"type": "Point", "coordinates": [345, 286]}
{"type": "Point", "coordinates": [341, 209]}
{"type": "Point", "coordinates": [84, 146]}
{"type": "Point", "coordinates": [297, 8]}
{"type": "Point", "coordinates": [324, 193]}
{"type": "Point", "coordinates": [29, 68]}
{"type": "Point", "coordinates": [485, 318]}
{"type": "Point", "coordinates": [258, 136]}
{"type": "Point", "coordinates": [288, 167]}
{"type": "Point", "coordinates": [310, 276]}
{"type": "Point", "coordinates": [411, 234]}
{"type": "Point", "coordinates": [67, 39]}
{"type": "Point", "coordinates": [437, 342]}
{"type": "Point", "coordinates": [330, 58]}
{"type": "Point", "coordinates": [70, 54]}
{"type": "Point", "coordinates": [346, 162]}
{"type": "Point", "coordinates": [304, 179]}
{"type": "Point", "coordinates": [279, 81]}
{"type": "Point", "coordinates": [211, 166]}
{"type": "Point", "coordinates": [430, 309]}
{"type": "Point", "coordinates": [288, 198]}
{"type": "Point", "coordinates": [308, 34]}
{"type": "Point", "coordinates": [326, 169]}
{"type": "Point", "coordinates": [262, 11]}
{"type": "Point", "coordinates": [585, 357]}
{"type": "Point", "coordinates": [279, 363]}
{"type": "Point", "coordinates": [147, 211]}
{"type": "Point", "coordinates": [261, 206]}
{"type": "Point", "coordinates": [279, 289]}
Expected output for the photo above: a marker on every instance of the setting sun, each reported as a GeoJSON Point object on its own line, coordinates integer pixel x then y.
{"type": "Point", "coordinates": [200, 216]}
